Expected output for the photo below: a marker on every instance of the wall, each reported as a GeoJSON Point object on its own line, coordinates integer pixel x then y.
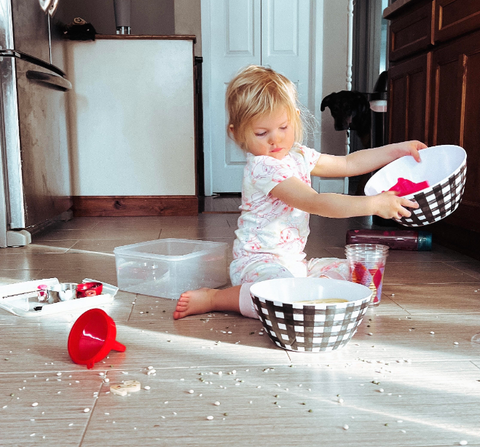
{"type": "Point", "coordinates": [188, 20]}
{"type": "Point", "coordinates": [336, 76]}
{"type": "Point", "coordinates": [157, 17]}
{"type": "Point", "coordinates": [147, 16]}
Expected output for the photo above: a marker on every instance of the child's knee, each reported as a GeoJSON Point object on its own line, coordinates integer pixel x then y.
{"type": "Point", "coordinates": [333, 268]}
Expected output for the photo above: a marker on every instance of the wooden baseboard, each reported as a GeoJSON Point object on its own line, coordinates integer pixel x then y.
{"type": "Point", "coordinates": [112, 206]}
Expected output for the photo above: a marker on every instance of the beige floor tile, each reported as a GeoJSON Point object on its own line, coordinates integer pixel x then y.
{"type": "Point", "coordinates": [101, 246]}
{"type": "Point", "coordinates": [41, 247]}
{"type": "Point", "coordinates": [409, 377]}
{"type": "Point", "coordinates": [435, 298]}
{"type": "Point", "coordinates": [44, 408]}
{"type": "Point", "coordinates": [471, 267]}
{"type": "Point", "coordinates": [418, 272]}
{"type": "Point", "coordinates": [16, 275]}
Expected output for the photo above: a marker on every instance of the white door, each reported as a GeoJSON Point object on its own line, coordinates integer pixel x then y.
{"type": "Point", "coordinates": [236, 33]}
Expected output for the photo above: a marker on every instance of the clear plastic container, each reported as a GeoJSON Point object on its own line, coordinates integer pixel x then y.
{"type": "Point", "coordinates": [168, 267]}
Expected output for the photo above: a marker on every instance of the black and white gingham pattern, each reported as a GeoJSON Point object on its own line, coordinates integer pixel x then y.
{"type": "Point", "coordinates": [299, 327]}
{"type": "Point", "coordinates": [437, 202]}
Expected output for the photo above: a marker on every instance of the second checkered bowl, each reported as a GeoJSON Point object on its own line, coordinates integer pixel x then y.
{"type": "Point", "coordinates": [443, 167]}
{"type": "Point", "coordinates": [294, 319]}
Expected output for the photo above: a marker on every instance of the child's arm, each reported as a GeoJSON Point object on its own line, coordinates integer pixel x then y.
{"type": "Point", "coordinates": [366, 160]}
{"type": "Point", "coordinates": [299, 195]}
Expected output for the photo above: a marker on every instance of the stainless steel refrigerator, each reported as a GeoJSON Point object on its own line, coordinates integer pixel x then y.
{"type": "Point", "coordinates": [34, 156]}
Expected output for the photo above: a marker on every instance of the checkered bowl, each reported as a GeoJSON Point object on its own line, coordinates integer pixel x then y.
{"type": "Point", "coordinates": [445, 169]}
{"type": "Point", "coordinates": [294, 320]}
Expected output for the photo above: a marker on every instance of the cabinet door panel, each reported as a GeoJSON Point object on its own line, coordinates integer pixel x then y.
{"type": "Point", "coordinates": [412, 32]}
{"type": "Point", "coordinates": [455, 17]}
{"type": "Point", "coordinates": [447, 99]}
{"type": "Point", "coordinates": [408, 99]}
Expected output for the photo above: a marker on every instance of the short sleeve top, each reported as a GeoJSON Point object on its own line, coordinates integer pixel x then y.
{"type": "Point", "coordinates": [267, 225]}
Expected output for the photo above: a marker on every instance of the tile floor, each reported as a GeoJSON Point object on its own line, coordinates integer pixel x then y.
{"type": "Point", "coordinates": [409, 377]}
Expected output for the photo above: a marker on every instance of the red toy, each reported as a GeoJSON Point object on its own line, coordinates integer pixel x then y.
{"type": "Point", "coordinates": [405, 186]}
{"type": "Point", "coordinates": [92, 337]}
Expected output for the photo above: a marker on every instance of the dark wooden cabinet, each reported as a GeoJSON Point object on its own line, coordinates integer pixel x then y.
{"type": "Point", "coordinates": [434, 96]}
{"type": "Point", "coordinates": [455, 110]}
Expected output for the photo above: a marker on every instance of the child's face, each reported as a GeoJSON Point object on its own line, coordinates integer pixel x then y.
{"type": "Point", "coordinates": [271, 135]}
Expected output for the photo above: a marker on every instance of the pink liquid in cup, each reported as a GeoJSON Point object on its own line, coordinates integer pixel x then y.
{"type": "Point", "coordinates": [371, 278]}
{"type": "Point", "coordinates": [367, 266]}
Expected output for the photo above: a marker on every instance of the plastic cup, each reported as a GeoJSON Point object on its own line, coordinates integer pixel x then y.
{"type": "Point", "coordinates": [367, 266]}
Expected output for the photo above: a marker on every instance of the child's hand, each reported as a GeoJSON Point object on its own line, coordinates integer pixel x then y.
{"type": "Point", "coordinates": [411, 148]}
{"type": "Point", "coordinates": [389, 205]}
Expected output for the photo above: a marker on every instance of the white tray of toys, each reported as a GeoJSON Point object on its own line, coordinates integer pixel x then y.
{"type": "Point", "coordinates": [22, 298]}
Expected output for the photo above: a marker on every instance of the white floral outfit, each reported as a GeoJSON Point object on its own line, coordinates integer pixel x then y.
{"type": "Point", "coordinates": [271, 235]}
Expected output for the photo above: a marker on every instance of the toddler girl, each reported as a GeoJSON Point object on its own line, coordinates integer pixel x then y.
{"type": "Point", "coordinates": [277, 199]}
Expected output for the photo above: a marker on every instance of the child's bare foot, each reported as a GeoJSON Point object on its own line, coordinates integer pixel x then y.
{"type": "Point", "coordinates": [194, 302]}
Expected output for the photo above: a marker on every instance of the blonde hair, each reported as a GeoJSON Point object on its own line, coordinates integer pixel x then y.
{"type": "Point", "coordinates": [255, 92]}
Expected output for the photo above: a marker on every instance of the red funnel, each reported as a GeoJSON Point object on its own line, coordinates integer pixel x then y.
{"type": "Point", "coordinates": [92, 337]}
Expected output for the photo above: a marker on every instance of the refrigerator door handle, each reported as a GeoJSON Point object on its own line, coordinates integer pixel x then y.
{"type": "Point", "coordinates": [51, 80]}
{"type": "Point", "coordinates": [33, 60]}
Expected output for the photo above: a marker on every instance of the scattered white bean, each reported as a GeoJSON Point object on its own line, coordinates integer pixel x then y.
{"type": "Point", "coordinates": [217, 403]}
{"type": "Point", "coordinates": [210, 418]}
{"type": "Point", "coordinates": [86, 410]}
{"type": "Point", "coordinates": [35, 404]}
{"type": "Point", "coordinates": [463, 442]}
{"type": "Point", "coordinates": [346, 427]}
